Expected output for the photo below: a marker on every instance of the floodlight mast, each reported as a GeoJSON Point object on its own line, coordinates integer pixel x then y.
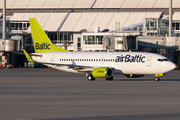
{"type": "Point", "coordinates": [4, 20]}
{"type": "Point", "coordinates": [170, 18]}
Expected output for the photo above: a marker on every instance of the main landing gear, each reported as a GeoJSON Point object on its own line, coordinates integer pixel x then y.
{"type": "Point", "coordinates": [90, 77]}
{"type": "Point", "coordinates": [157, 79]}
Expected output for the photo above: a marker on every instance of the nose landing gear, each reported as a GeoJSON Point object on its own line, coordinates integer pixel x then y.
{"type": "Point", "coordinates": [157, 79]}
{"type": "Point", "coordinates": [158, 75]}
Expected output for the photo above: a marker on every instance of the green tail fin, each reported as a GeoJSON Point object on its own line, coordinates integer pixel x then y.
{"type": "Point", "coordinates": [42, 43]}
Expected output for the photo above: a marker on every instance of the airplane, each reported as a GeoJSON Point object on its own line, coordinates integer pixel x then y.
{"type": "Point", "coordinates": [95, 64]}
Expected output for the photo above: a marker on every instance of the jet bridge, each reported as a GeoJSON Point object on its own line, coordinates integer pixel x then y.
{"type": "Point", "coordinates": [120, 43]}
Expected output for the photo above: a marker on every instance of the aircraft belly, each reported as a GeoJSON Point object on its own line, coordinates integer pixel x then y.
{"type": "Point", "coordinates": [132, 69]}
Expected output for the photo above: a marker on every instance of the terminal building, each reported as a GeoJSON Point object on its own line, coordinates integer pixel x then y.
{"type": "Point", "coordinates": [92, 25]}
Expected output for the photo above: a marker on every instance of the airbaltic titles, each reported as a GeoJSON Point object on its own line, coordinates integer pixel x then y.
{"type": "Point", "coordinates": [130, 58]}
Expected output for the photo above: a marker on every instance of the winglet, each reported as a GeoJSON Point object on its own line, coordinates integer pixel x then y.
{"type": "Point", "coordinates": [28, 57]}
{"type": "Point", "coordinates": [42, 44]}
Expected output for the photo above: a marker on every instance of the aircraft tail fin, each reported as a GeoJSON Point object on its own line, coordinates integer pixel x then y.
{"type": "Point", "coordinates": [42, 43]}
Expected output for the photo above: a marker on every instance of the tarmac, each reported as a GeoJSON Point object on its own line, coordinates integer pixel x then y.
{"type": "Point", "coordinates": [47, 94]}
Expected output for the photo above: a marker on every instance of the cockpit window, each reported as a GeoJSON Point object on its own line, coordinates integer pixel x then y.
{"type": "Point", "coordinates": [161, 60]}
{"type": "Point", "coordinates": [165, 60]}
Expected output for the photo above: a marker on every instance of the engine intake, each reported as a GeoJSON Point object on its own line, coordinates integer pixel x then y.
{"type": "Point", "coordinates": [102, 72]}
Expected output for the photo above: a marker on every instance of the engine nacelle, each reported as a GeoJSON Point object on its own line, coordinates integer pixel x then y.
{"type": "Point", "coordinates": [102, 72]}
{"type": "Point", "coordinates": [134, 76]}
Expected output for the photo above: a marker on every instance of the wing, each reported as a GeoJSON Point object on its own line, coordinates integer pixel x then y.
{"type": "Point", "coordinates": [79, 68]}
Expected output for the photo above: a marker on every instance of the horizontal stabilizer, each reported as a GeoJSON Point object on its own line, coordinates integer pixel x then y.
{"type": "Point", "coordinates": [28, 57]}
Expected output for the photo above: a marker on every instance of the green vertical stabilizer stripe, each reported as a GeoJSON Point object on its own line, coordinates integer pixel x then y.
{"type": "Point", "coordinates": [42, 43]}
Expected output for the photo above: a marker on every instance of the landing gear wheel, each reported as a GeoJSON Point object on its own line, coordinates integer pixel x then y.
{"type": "Point", "coordinates": [157, 79]}
{"type": "Point", "coordinates": [90, 77]}
{"type": "Point", "coordinates": [110, 78]}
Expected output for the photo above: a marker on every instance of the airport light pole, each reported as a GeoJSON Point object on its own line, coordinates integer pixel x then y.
{"type": "Point", "coordinates": [4, 20]}
{"type": "Point", "coordinates": [170, 18]}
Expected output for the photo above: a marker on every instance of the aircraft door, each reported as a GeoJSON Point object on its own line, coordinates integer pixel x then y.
{"type": "Point", "coordinates": [52, 59]}
{"type": "Point", "coordinates": [102, 60]}
{"type": "Point", "coordinates": [149, 58]}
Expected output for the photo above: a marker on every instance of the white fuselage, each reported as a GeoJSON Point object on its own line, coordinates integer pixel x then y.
{"type": "Point", "coordinates": [122, 62]}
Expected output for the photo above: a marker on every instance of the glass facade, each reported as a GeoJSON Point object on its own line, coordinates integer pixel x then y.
{"type": "Point", "coordinates": [92, 40]}
{"type": "Point", "coordinates": [55, 36]}
{"type": "Point", "coordinates": [7, 28]}
{"type": "Point", "coordinates": [79, 44]}
{"type": "Point", "coordinates": [175, 25]}
{"type": "Point", "coordinates": [61, 37]}
{"type": "Point", "coordinates": [152, 26]}
{"type": "Point", "coordinates": [160, 51]}
{"type": "Point", "coordinates": [19, 25]}
{"type": "Point", "coordinates": [158, 27]}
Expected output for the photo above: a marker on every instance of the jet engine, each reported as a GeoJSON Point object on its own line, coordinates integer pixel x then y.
{"type": "Point", "coordinates": [102, 72]}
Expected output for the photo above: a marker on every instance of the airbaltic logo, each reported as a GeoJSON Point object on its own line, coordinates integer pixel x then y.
{"type": "Point", "coordinates": [100, 71]}
{"type": "Point", "coordinates": [43, 46]}
{"type": "Point", "coordinates": [130, 58]}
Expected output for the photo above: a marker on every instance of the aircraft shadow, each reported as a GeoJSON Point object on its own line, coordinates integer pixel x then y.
{"type": "Point", "coordinates": [134, 79]}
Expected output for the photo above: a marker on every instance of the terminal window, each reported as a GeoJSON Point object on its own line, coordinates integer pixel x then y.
{"type": "Point", "coordinates": [92, 40]}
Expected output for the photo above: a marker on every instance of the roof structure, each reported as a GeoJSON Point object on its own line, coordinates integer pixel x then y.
{"type": "Point", "coordinates": [48, 21]}
{"type": "Point", "coordinates": [176, 16]}
{"type": "Point", "coordinates": [75, 22]}
{"type": "Point", "coordinates": [43, 4]}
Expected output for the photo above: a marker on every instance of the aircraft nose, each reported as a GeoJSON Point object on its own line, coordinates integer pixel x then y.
{"type": "Point", "coordinates": [171, 66]}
